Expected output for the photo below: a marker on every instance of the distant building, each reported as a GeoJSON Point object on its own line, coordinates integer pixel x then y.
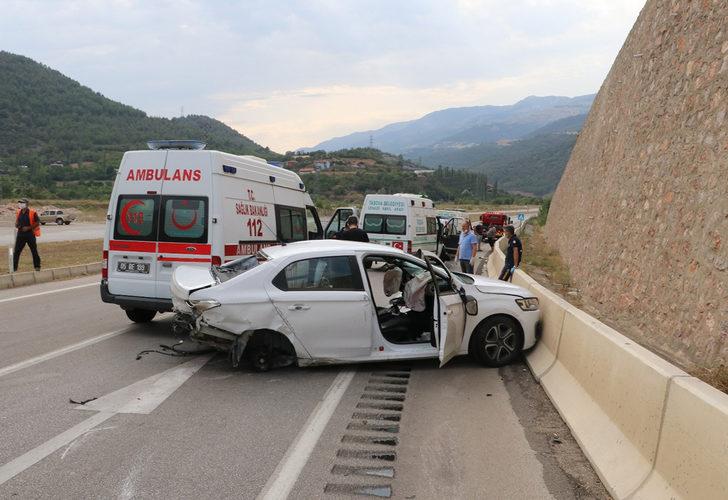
{"type": "Point", "coordinates": [322, 164]}
{"type": "Point", "coordinates": [275, 163]}
{"type": "Point", "coordinates": [291, 163]}
{"type": "Point", "coordinates": [307, 170]}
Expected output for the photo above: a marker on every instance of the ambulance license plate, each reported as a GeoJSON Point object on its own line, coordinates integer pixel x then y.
{"type": "Point", "coordinates": [133, 267]}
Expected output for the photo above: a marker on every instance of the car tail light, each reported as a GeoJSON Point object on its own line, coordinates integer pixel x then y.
{"type": "Point", "coordinates": [216, 260]}
{"type": "Point", "coordinates": [105, 264]}
{"type": "Point", "coordinates": [409, 247]}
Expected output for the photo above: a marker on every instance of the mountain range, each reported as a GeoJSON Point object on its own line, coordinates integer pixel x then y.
{"type": "Point", "coordinates": [524, 146]}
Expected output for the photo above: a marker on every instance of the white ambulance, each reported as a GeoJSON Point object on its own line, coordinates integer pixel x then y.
{"type": "Point", "coordinates": [405, 221]}
{"type": "Point", "coordinates": [181, 204]}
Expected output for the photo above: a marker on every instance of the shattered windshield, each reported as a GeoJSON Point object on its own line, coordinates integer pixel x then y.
{"type": "Point", "coordinates": [237, 267]}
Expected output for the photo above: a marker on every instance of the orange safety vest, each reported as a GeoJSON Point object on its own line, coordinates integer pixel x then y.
{"type": "Point", "coordinates": [33, 216]}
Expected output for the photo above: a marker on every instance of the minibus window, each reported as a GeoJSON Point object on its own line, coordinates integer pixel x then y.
{"type": "Point", "coordinates": [373, 223]}
{"type": "Point", "coordinates": [291, 223]}
{"type": "Point", "coordinates": [396, 224]}
{"type": "Point", "coordinates": [184, 218]}
{"type": "Point", "coordinates": [136, 218]}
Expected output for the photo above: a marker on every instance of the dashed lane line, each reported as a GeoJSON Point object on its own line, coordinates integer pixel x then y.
{"type": "Point", "coordinates": [60, 352]}
{"type": "Point", "coordinates": [48, 292]}
{"type": "Point", "coordinates": [283, 479]}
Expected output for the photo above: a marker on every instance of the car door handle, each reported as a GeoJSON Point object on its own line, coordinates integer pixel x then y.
{"type": "Point", "coordinates": [166, 264]}
{"type": "Point", "coordinates": [299, 307]}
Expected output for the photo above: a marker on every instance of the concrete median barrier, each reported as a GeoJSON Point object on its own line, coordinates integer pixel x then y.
{"type": "Point", "coordinates": [611, 393]}
{"type": "Point", "coordinates": [46, 275]}
{"type": "Point", "coordinates": [692, 458]}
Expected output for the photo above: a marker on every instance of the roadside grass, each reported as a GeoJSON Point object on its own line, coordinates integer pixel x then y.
{"type": "Point", "coordinates": [56, 254]}
{"type": "Point", "coordinates": [545, 265]}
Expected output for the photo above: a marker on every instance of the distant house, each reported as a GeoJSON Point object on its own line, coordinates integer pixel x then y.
{"type": "Point", "coordinates": [322, 164]}
{"type": "Point", "coordinates": [423, 172]}
{"type": "Point", "coordinates": [307, 170]}
{"type": "Point", "coordinates": [56, 164]}
{"type": "Point", "coordinates": [290, 163]}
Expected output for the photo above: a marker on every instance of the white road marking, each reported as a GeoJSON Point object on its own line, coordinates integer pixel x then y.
{"type": "Point", "coordinates": [60, 352]}
{"type": "Point", "coordinates": [144, 396]}
{"type": "Point", "coordinates": [149, 395]}
{"type": "Point", "coordinates": [281, 482]}
{"type": "Point", "coordinates": [96, 283]}
{"type": "Point", "coordinates": [23, 462]}
{"type": "Point", "coordinates": [76, 442]}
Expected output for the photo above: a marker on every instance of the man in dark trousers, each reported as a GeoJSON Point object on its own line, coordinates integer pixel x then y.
{"type": "Point", "coordinates": [514, 254]}
{"type": "Point", "coordinates": [28, 225]}
{"type": "Point", "coordinates": [351, 231]}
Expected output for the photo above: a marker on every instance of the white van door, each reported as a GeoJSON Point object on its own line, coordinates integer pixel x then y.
{"type": "Point", "coordinates": [133, 227]}
{"type": "Point", "coordinates": [184, 216]}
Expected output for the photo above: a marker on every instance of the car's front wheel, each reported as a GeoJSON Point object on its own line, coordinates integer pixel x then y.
{"type": "Point", "coordinates": [497, 341]}
{"type": "Point", "coordinates": [59, 221]}
{"type": "Point", "coordinates": [140, 315]}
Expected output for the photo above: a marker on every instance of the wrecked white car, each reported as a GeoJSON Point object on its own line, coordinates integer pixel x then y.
{"type": "Point", "coordinates": [324, 302]}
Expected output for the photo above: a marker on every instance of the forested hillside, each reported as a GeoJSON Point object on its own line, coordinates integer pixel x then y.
{"type": "Point", "coordinates": [46, 117]}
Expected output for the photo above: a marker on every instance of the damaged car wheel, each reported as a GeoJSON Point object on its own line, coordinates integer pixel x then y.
{"type": "Point", "coordinates": [260, 358]}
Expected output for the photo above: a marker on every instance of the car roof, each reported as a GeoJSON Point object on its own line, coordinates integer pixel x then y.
{"type": "Point", "coordinates": [302, 248]}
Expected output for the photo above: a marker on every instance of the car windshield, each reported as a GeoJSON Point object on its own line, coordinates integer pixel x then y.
{"type": "Point", "coordinates": [237, 267]}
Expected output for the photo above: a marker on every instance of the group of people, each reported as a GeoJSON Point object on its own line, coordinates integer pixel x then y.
{"type": "Point", "coordinates": [468, 245]}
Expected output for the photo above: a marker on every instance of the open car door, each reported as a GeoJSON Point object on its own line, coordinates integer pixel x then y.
{"type": "Point", "coordinates": [449, 312]}
{"type": "Point", "coordinates": [338, 220]}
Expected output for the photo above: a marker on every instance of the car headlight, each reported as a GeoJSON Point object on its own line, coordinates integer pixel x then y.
{"type": "Point", "coordinates": [200, 306]}
{"type": "Point", "coordinates": [529, 304]}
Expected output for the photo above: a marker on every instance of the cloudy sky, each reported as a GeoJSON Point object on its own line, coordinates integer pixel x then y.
{"type": "Point", "coordinates": [293, 73]}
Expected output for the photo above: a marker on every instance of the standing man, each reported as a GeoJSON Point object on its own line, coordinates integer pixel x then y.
{"type": "Point", "coordinates": [28, 226]}
{"type": "Point", "coordinates": [351, 231]}
{"type": "Point", "coordinates": [491, 235]}
{"type": "Point", "coordinates": [514, 254]}
{"type": "Point", "coordinates": [467, 248]}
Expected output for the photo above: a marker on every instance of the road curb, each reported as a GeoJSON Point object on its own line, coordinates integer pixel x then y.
{"type": "Point", "coordinates": [649, 429]}
{"type": "Point", "coordinates": [57, 273]}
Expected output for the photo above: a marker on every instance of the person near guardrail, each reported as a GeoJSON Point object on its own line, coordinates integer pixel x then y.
{"type": "Point", "coordinates": [28, 225]}
{"type": "Point", "coordinates": [514, 254]}
{"type": "Point", "coordinates": [491, 235]}
{"type": "Point", "coordinates": [467, 248]}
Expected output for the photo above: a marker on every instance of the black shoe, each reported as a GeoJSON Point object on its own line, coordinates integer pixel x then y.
{"type": "Point", "coordinates": [37, 268]}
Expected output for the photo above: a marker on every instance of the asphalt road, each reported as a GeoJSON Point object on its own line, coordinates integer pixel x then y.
{"type": "Point", "coordinates": [193, 427]}
{"type": "Point", "coordinates": [53, 232]}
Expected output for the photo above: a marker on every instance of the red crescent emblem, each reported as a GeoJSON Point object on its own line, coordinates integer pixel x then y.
{"type": "Point", "coordinates": [124, 218]}
{"type": "Point", "coordinates": [184, 227]}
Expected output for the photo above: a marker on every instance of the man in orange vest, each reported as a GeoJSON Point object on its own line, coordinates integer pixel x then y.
{"type": "Point", "coordinates": [28, 225]}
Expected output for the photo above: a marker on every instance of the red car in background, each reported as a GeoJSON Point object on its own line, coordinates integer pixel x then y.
{"type": "Point", "coordinates": [497, 219]}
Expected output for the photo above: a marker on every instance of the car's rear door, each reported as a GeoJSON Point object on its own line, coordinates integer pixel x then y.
{"type": "Point", "coordinates": [324, 302]}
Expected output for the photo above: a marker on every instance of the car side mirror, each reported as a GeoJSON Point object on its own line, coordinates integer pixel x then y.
{"type": "Point", "coordinates": [471, 305]}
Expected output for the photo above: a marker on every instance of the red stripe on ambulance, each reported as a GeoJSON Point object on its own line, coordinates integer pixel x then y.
{"type": "Point", "coordinates": [132, 246]}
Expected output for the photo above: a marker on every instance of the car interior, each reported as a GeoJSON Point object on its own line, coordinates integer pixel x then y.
{"type": "Point", "coordinates": [404, 298]}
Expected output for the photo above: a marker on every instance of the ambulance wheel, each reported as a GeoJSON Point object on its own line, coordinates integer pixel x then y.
{"type": "Point", "coordinates": [140, 315]}
{"type": "Point", "coordinates": [59, 221]}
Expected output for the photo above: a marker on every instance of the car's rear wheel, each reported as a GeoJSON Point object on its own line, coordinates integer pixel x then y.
{"type": "Point", "coordinates": [140, 315]}
{"type": "Point", "coordinates": [42, 223]}
{"type": "Point", "coordinates": [67, 222]}
{"type": "Point", "coordinates": [497, 341]}
{"type": "Point", "coordinates": [59, 221]}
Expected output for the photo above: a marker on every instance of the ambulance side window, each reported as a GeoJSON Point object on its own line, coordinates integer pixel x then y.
{"type": "Point", "coordinates": [136, 217]}
{"type": "Point", "coordinates": [291, 223]}
{"type": "Point", "coordinates": [184, 219]}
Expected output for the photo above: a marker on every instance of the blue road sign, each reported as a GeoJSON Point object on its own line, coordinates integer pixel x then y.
{"type": "Point", "coordinates": [521, 217]}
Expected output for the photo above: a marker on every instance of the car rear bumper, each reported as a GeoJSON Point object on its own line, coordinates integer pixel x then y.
{"type": "Point", "coordinates": [131, 302]}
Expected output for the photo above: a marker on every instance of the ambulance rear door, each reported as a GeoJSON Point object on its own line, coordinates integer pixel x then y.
{"type": "Point", "coordinates": [184, 215]}
{"type": "Point", "coordinates": [133, 225]}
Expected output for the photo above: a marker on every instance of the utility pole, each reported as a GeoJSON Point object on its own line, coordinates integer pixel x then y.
{"type": "Point", "coordinates": [371, 141]}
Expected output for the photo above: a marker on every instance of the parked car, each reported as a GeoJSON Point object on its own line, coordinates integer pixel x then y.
{"type": "Point", "coordinates": [330, 301]}
{"type": "Point", "coordinates": [58, 216]}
